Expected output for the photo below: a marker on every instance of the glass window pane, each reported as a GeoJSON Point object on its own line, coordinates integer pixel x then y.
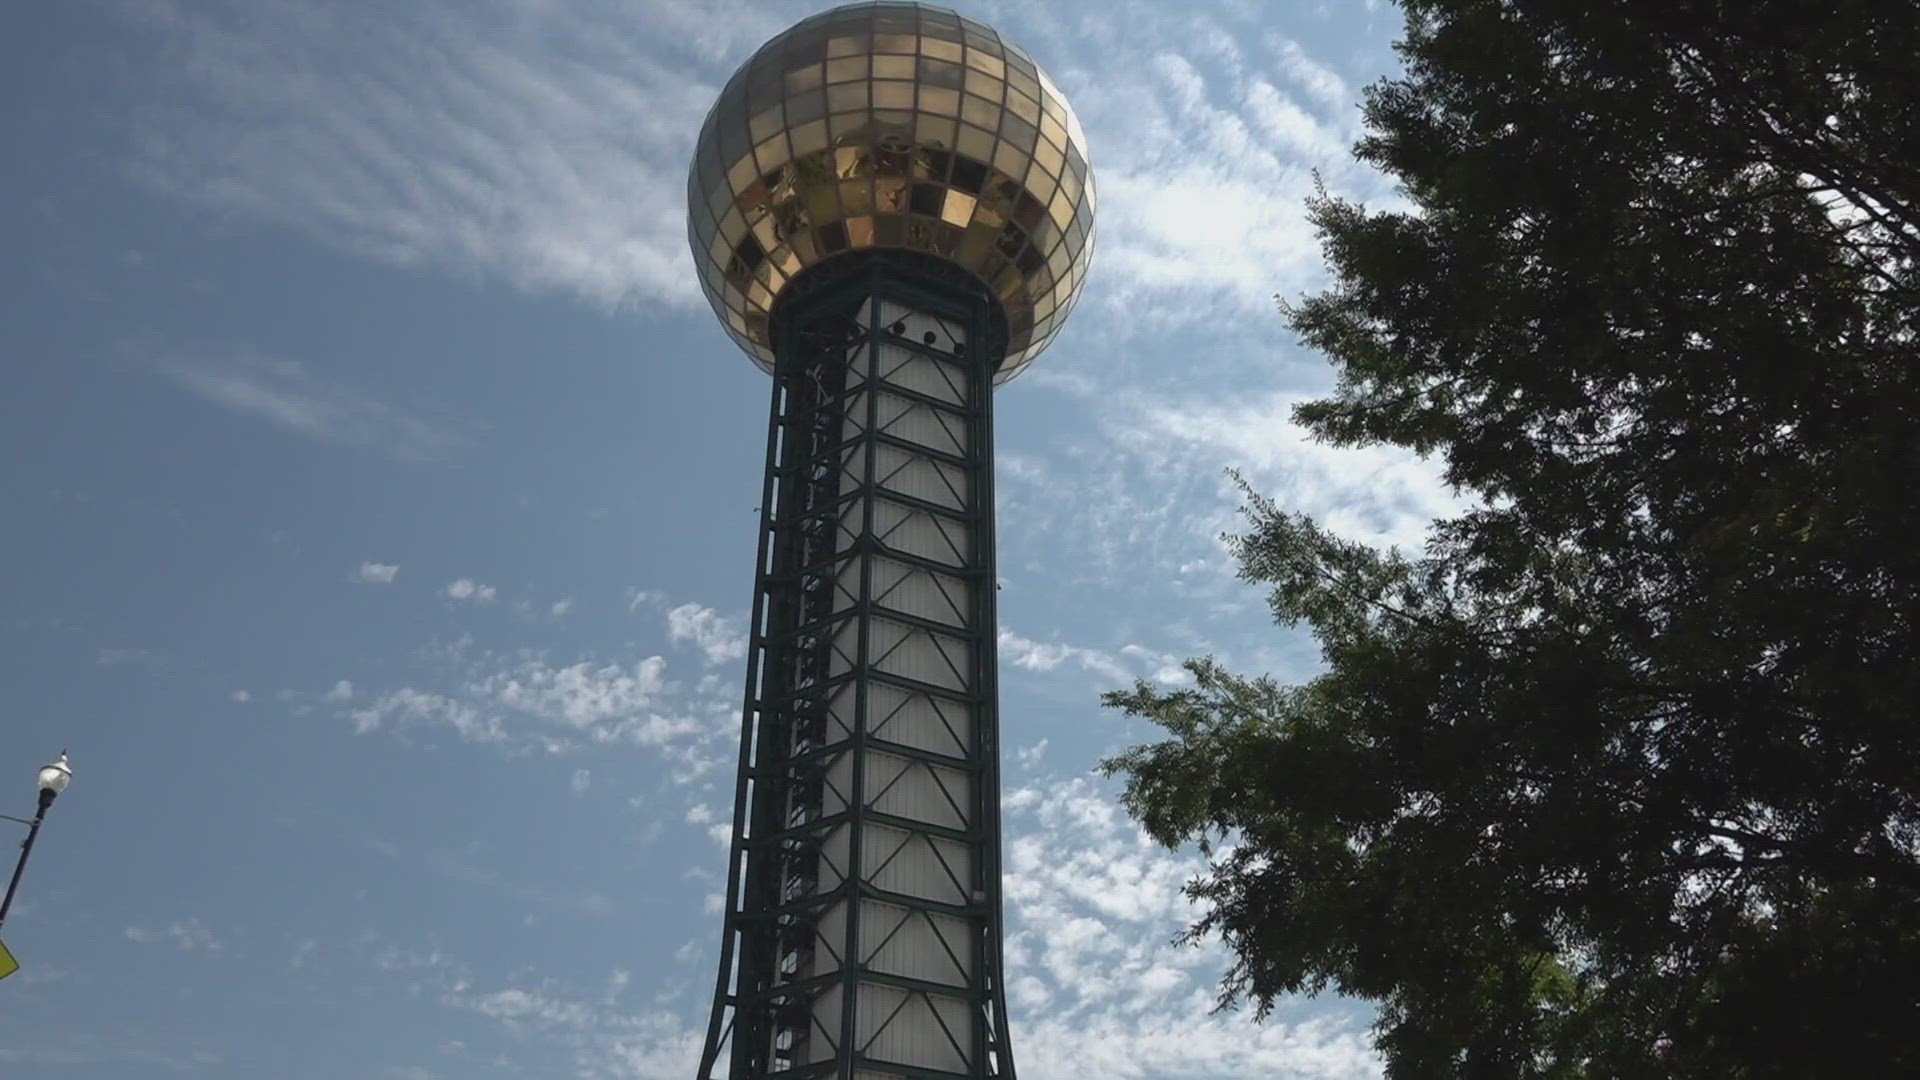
{"type": "Point", "coordinates": [847, 97]}
{"type": "Point", "coordinates": [940, 100]}
{"type": "Point", "coordinates": [809, 138]}
{"type": "Point", "coordinates": [893, 95]}
{"type": "Point", "coordinates": [1022, 106]}
{"type": "Point", "coordinates": [1070, 187]}
{"type": "Point", "coordinates": [802, 107]}
{"type": "Point", "coordinates": [958, 208]}
{"type": "Point", "coordinates": [1009, 159]}
{"type": "Point", "coordinates": [847, 69]}
{"type": "Point", "coordinates": [1049, 159]}
{"type": "Point", "coordinates": [856, 196]}
{"type": "Point", "coordinates": [987, 62]}
{"type": "Point", "coordinates": [1051, 130]}
{"type": "Point", "coordinates": [944, 46]}
{"type": "Point", "coordinates": [742, 174]}
{"type": "Point", "coordinates": [926, 199]}
{"type": "Point", "coordinates": [1061, 208]}
{"type": "Point", "coordinates": [980, 112]}
{"type": "Point", "coordinates": [732, 136]}
{"type": "Point", "coordinates": [970, 176]}
{"type": "Point", "coordinates": [894, 67]}
{"type": "Point", "coordinates": [772, 154]}
{"type": "Point", "coordinates": [848, 126]}
{"type": "Point", "coordinates": [932, 130]}
{"type": "Point", "coordinates": [1042, 185]}
{"type": "Point", "coordinates": [985, 85]}
{"type": "Point", "coordinates": [807, 77]}
{"type": "Point", "coordinates": [1017, 131]}
{"type": "Point", "coordinates": [974, 143]}
{"type": "Point", "coordinates": [934, 72]}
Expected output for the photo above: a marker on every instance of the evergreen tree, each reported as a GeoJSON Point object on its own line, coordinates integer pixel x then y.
{"type": "Point", "coordinates": [1621, 775]}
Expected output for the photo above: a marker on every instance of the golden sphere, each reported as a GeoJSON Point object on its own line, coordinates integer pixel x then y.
{"type": "Point", "coordinates": [892, 125]}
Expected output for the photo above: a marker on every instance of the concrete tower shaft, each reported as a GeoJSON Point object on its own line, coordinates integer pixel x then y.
{"type": "Point", "coordinates": [864, 924]}
{"type": "Point", "coordinates": [892, 212]}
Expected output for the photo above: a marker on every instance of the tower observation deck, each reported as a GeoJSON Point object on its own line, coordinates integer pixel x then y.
{"type": "Point", "coordinates": [892, 213]}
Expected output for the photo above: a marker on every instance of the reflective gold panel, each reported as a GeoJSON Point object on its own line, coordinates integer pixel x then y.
{"type": "Point", "coordinates": [892, 126]}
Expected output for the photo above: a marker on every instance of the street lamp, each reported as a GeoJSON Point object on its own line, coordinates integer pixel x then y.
{"type": "Point", "coordinates": [54, 778]}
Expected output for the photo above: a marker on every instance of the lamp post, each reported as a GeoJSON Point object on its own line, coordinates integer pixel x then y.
{"type": "Point", "coordinates": [54, 778]}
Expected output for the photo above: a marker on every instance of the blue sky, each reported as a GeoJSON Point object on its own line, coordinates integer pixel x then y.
{"type": "Point", "coordinates": [379, 519]}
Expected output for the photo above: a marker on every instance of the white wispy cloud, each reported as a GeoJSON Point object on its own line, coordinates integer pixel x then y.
{"type": "Point", "coordinates": [540, 144]}
{"type": "Point", "coordinates": [1145, 495]}
{"type": "Point", "coordinates": [581, 781]}
{"type": "Point", "coordinates": [290, 396]}
{"type": "Point", "coordinates": [524, 702]}
{"type": "Point", "coordinates": [469, 589]}
{"type": "Point", "coordinates": [240, 697]}
{"type": "Point", "coordinates": [1097, 990]}
{"type": "Point", "coordinates": [373, 573]}
{"type": "Point", "coordinates": [1095, 986]}
{"type": "Point", "coordinates": [188, 936]}
{"type": "Point", "coordinates": [1126, 664]}
{"type": "Point", "coordinates": [1029, 756]}
{"type": "Point", "coordinates": [1024, 652]}
{"type": "Point", "coordinates": [601, 1037]}
{"type": "Point", "coordinates": [303, 951]}
{"type": "Point", "coordinates": [545, 145]}
{"type": "Point", "coordinates": [1205, 128]}
{"type": "Point", "coordinates": [707, 630]}
{"type": "Point", "coordinates": [559, 608]}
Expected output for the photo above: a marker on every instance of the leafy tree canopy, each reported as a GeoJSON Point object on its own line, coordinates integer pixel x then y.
{"type": "Point", "coordinates": [1621, 775]}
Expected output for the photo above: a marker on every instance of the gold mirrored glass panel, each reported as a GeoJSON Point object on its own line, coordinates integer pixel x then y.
{"type": "Point", "coordinates": [897, 126]}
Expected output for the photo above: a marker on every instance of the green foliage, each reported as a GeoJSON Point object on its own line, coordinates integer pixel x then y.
{"type": "Point", "coordinates": [1621, 776]}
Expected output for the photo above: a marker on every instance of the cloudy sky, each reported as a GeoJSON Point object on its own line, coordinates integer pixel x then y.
{"type": "Point", "coordinates": [379, 513]}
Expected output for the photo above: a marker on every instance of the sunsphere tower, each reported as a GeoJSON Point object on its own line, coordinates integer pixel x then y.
{"type": "Point", "coordinates": [892, 213]}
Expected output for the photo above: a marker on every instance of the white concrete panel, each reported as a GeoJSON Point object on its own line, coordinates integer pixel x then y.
{"type": "Point", "coordinates": [920, 721]}
{"type": "Point", "coordinates": [838, 787]}
{"type": "Point", "coordinates": [830, 945]}
{"type": "Point", "coordinates": [847, 531]}
{"type": "Point", "coordinates": [911, 653]}
{"type": "Point", "coordinates": [833, 857]}
{"type": "Point", "coordinates": [853, 415]}
{"type": "Point", "coordinates": [846, 647]}
{"type": "Point", "coordinates": [822, 1046]}
{"type": "Point", "coordinates": [939, 379]}
{"type": "Point", "coordinates": [913, 944]}
{"type": "Point", "coordinates": [917, 791]}
{"type": "Point", "coordinates": [841, 714]}
{"type": "Point", "coordinates": [922, 478]}
{"type": "Point", "coordinates": [917, 532]}
{"type": "Point", "coordinates": [899, 1026]}
{"type": "Point", "coordinates": [937, 597]}
{"type": "Point", "coordinates": [959, 1018]}
{"type": "Point", "coordinates": [916, 865]}
{"type": "Point", "coordinates": [922, 425]}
